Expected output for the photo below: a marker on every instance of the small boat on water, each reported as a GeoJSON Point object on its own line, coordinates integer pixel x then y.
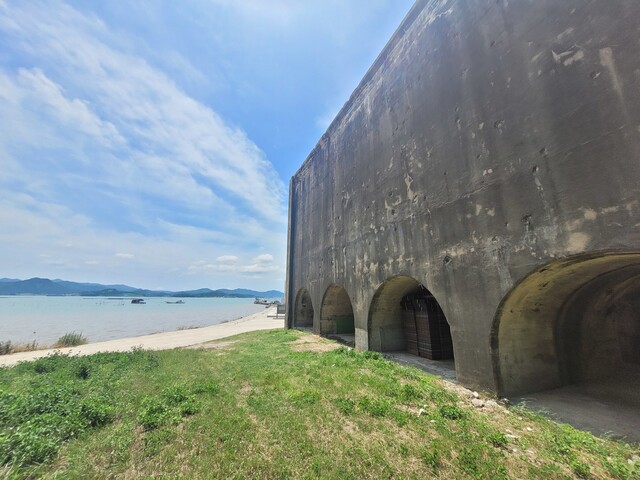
{"type": "Point", "coordinates": [179, 302]}
{"type": "Point", "coordinates": [260, 301]}
{"type": "Point", "coordinates": [138, 301]}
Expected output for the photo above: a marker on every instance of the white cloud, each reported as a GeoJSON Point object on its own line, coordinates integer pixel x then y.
{"type": "Point", "coordinates": [104, 153]}
{"type": "Point", "coordinates": [39, 243]}
{"type": "Point", "coordinates": [37, 89]}
{"type": "Point", "coordinates": [260, 265]}
{"type": "Point", "coordinates": [264, 258]}
{"type": "Point", "coordinates": [261, 268]}
{"type": "Point", "coordinates": [227, 259]}
{"type": "Point", "coordinates": [181, 147]}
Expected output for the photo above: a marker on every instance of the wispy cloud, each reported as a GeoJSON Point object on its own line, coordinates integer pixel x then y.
{"type": "Point", "coordinates": [42, 236]}
{"type": "Point", "coordinates": [171, 138]}
{"type": "Point", "coordinates": [228, 259]}
{"type": "Point", "coordinates": [262, 264]}
{"type": "Point", "coordinates": [105, 149]}
{"type": "Point", "coordinates": [141, 128]}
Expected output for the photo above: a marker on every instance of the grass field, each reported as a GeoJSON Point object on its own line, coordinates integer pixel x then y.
{"type": "Point", "coordinates": [277, 404]}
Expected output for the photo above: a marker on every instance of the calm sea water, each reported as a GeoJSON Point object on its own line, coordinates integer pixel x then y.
{"type": "Point", "coordinates": [24, 319]}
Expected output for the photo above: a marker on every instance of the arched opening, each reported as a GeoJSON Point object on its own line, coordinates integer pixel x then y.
{"type": "Point", "coordinates": [405, 316]}
{"type": "Point", "coordinates": [303, 313]}
{"type": "Point", "coordinates": [336, 313]}
{"type": "Point", "coordinates": [573, 322]}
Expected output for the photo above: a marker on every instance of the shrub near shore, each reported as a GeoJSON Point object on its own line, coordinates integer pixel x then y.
{"type": "Point", "coordinates": [276, 404]}
{"type": "Point", "coordinates": [71, 339]}
{"type": "Point", "coordinates": [7, 348]}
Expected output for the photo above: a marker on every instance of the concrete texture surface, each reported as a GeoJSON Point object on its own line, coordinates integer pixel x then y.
{"type": "Point", "coordinates": [492, 155]}
{"type": "Point", "coordinates": [445, 369]}
{"type": "Point", "coordinates": [162, 341]}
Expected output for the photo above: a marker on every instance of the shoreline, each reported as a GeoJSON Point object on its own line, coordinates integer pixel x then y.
{"type": "Point", "coordinates": [162, 340]}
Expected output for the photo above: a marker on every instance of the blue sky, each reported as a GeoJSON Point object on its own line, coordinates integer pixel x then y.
{"type": "Point", "coordinates": [151, 142]}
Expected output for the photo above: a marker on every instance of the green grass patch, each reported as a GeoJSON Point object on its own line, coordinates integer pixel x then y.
{"type": "Point", "coordinates": [264, 409]}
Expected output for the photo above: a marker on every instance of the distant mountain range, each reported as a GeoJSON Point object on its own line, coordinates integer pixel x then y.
{"type": "Point", "coordinates": [44, 286]}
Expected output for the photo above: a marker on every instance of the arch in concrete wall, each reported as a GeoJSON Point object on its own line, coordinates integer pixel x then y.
{"type": "Point", "coordinates": [387, 320]}
{"type": "Point", "coordinates": [385, 312]}
{"type": "Point", "coordinates": [303, 312]}
{"type": "Point", "coordinates": [574, 321]}
{"type": "Point", "coordinates": [336, 312]}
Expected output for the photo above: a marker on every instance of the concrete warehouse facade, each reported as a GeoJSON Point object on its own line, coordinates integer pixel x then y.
{"type": "Point", "coordinates": [488, 162]}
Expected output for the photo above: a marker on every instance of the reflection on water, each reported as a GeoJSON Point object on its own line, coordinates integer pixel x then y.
{"type": "Point", "coordinates": [44, 319]}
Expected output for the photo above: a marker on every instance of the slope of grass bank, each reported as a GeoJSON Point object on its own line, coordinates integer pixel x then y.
{"type": "Point", "coordinates": [275, 404]}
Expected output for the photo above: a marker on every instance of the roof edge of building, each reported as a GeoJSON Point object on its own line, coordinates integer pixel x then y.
{"type": "Point", "coordinates": [408, 20]}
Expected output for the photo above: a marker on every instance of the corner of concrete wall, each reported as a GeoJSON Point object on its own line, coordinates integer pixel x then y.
{"type": "Point", "coordinates": [289, 294]}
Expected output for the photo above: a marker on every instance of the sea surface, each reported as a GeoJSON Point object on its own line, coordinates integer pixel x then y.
{"type": "Point", "coordinates": [24, 319]}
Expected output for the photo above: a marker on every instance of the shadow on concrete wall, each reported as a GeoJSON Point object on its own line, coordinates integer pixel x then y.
{"type": "Point", "coordinates": [303, 312]}
{"type": "Point", "coordinates": [336, 312]}
{"type": "Point", "coordinates": [574, 321]}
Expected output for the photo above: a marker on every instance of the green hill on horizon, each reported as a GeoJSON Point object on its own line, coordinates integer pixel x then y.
{"type": "Point", "coordinates": [45, 286]}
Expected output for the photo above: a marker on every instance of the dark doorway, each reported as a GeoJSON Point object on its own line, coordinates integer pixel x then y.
{"type": "Point", "coordinates": [405, 316]}
{"type": "Point", "coordinates": [425, 326]}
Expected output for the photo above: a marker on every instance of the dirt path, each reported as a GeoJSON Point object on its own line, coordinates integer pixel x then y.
{"type": "Point", "coordinates": [162, 341]}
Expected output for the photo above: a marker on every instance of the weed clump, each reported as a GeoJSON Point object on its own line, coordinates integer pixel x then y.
{"type": "Point", "coordinates": [154, 413]}
{"type": "Point", "coordinates": [498, 440]}
{"type": "Point", "coordinates": [375, 407]}
{"type": "Point", "coordinates": [345, 405]}
{"type": "Point", "coordinates": [36, 424]}
{"type": "Point", "coordinates": [173, 403]}
{"type": "Point", "coordinates": [48, 364]}
{"type": "Point", "coordinates": [71, 339]}
{"type": "Point", "coordinates": [582, 470]}
{"type": "Point", "coordinates": [205, 386]}
{"type": "Point", "coordinates": [7, 348]}
{"type": "Point", "coordinates": [432, 455]}
{"type": "Point", "coordinates": [52, 400]}
{"type": "Point", "coordinates": [451, 412]}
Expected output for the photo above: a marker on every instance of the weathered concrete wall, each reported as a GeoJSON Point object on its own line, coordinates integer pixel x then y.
{"type": "Point", "coordinates": [490, 138]}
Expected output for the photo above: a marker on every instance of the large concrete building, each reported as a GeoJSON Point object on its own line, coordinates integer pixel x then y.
{"type": "Point", "coordinates": [489, 161]}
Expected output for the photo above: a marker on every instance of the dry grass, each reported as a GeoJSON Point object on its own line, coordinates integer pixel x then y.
{"type": "Point", "coordinates": [212, 345]}
{"type": "Point", "coordinates": [313, 343]}
{"type": "Point", "coordinates": [7, 348]}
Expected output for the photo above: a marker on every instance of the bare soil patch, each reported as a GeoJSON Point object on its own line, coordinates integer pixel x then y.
{"type": "Point", "coordinates": [313, 343]}
{"type": "Point", "coordinates": [211, 345]}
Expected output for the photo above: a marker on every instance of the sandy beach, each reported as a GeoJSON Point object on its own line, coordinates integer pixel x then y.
{"type": "Point", "coordinates": [264, 320]}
